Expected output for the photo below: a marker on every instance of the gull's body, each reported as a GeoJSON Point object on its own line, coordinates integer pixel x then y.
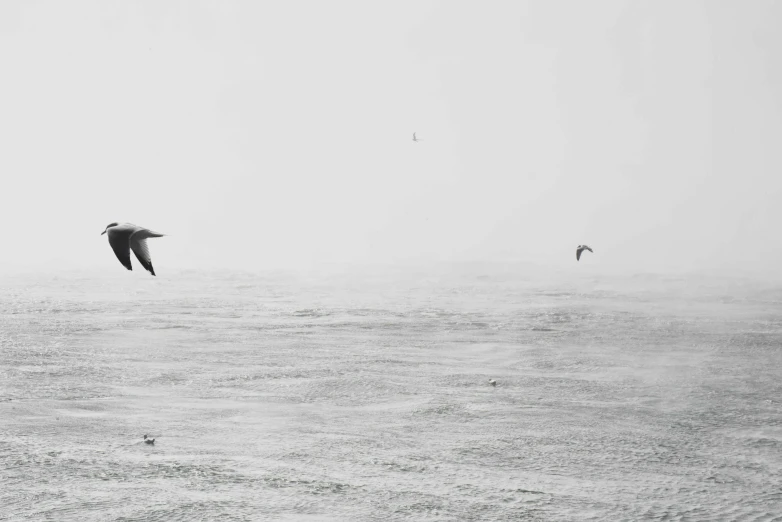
{"type": "Point", "coordinates": [416, 139]}
{"type": "Point", "coordinates": [580, 249]}
{"type": "Point", "coordinates": [124, 237]}
{"type": "Point", "coordinates": [149, 441]}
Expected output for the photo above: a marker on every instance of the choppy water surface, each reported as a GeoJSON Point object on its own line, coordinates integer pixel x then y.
{"type": "Point", "coordinates": [356, 397]}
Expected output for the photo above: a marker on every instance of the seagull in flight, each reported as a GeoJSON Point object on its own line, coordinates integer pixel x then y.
{"type": "Point", "coordinates": [580, 249]}
{"type": "Point", "coordinates": [124, 237]}
{"type": "Point", "coordinates": [416, 139]}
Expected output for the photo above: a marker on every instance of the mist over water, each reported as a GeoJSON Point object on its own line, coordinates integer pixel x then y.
{"type": "Point", "coordinates": [268, 135]}
{"type": "Point", "coordinates": [365, 396]}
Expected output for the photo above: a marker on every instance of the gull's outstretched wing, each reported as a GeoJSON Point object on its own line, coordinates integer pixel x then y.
{"type": "Point", "coordinates": [580, 249]}
{"type": "Point", "coordinates": [139, 246]}
{"type": "Point", "coordinates": [120, 243]}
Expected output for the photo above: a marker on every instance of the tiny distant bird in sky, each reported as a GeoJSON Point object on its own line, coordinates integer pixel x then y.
{"type": "Point", "coordinates": [580, 249]}
{"type": "Point", "coordinates": [124, 237]}
{"type": "Point", "coordinates": [416, 139]}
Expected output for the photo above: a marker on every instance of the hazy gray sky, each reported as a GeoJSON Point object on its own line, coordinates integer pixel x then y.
{"type": "Point", "coordinates": [278, 134]}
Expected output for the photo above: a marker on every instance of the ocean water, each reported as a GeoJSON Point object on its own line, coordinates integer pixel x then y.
{"type": "Point", "coordinates": [365, 396]}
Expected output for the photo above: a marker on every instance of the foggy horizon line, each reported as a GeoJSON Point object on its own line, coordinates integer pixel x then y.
{"type": "Point", "coordinates": [473, 268]}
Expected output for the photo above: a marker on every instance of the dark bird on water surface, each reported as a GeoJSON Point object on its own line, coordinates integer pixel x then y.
{"type": "Point", "coordinates": [149, 441]}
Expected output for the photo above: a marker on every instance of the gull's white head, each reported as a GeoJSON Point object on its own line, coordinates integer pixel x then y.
{"type": "Point", "coordinates": [108, 227]}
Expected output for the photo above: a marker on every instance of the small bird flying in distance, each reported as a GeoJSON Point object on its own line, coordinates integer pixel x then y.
{"type": "Point", "coordinates": [416, 139]}
{"type": "Point", "coordinates": [124, 237]}
{"type": "Point", "coordinates": [149, 441]}
{"type": "Point", "coordinates": [580, 249]}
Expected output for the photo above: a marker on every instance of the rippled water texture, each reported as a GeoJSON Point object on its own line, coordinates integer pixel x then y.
{"type": "Point", "coordinates": [361, 397]}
